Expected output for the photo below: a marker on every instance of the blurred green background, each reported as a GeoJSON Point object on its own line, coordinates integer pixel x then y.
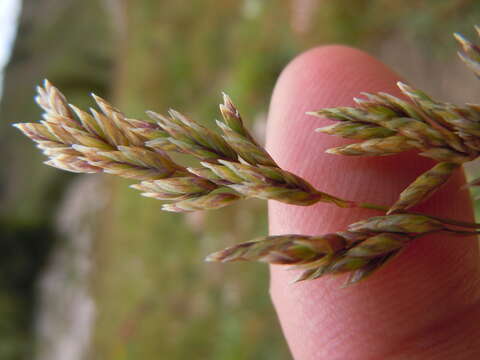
{"type": "Point", "coordinates": [89, 269]}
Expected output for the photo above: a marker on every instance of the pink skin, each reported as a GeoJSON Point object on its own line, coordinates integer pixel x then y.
{"type": "Point", "coordinates": [424, 304]}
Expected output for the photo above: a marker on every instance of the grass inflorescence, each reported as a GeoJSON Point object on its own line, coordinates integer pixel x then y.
{"type": "Point", "coordinates": [230, 165]}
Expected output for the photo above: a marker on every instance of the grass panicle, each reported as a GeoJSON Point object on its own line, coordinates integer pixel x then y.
{"type": "Point", "coordinates": [359, 251]}
{"type": "Point", "coordinates": [387, 125]}
{"type": "Point", "coordinates": [230, 165]}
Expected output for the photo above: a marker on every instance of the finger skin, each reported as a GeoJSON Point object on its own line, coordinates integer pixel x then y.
{"type": "Point", "coordinates": [424, 304]}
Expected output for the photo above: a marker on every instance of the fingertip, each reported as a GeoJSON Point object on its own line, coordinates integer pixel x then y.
{"type": "Point", "coordinates": [327, 76]}
{"type": "Point", "coordinates": [429, 280]}
{"type": "Point", "coordinates": [333, 72]}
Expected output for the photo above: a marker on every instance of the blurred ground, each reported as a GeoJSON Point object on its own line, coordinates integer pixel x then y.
{"type": "Point", "coordinates": [139, 269]}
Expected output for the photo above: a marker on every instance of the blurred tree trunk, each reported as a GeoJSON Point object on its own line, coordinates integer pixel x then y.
{"type": "Point", "coordinates": [68, 42]}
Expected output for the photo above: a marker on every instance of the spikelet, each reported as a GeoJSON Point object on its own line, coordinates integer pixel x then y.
{"type": "Point", "coordinates": [398, 223]}
{"type": "Point", "coordinates": [376, 147]}
{"type": "Point", "coordinates": [471, 52]}
{"type": "Point", "coordinates": [424, 186]}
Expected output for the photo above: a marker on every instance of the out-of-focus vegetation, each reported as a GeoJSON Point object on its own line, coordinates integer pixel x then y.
{"type": "Point", "coordinates": [154, 296]}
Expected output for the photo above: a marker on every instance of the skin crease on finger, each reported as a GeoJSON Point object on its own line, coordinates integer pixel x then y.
{"type": "Point", "coordinates": [421, 305]}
